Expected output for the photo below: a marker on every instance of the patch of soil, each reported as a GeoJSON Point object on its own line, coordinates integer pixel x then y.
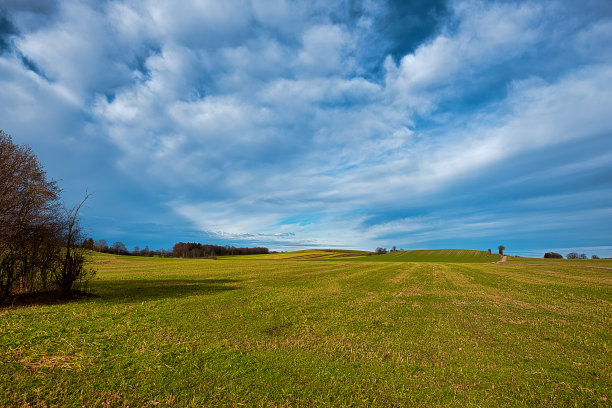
{"type": "Point", "coordinates": [273, 331]}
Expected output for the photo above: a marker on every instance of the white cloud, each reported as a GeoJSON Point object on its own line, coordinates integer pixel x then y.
{"type": "Point", "coordinates": [201, 24]}
{"type": "Point", "coordinates": [486, 34]}
{"type": "Point", "coordinates": [65, 54]}
{"type": "Point", "coordinates": [325, 50]}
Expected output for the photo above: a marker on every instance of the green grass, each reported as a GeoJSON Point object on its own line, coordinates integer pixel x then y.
{"type": "Point", "coordinates": [285, 332]}
{"type": "Point", "coordinates": [307, 254]}
{"type": "Point", "coordinates": [435, 255]}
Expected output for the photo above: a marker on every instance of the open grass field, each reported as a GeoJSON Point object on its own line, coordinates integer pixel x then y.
{"type": "Point", "coordinates": [439, 255]}
{"type": "Point", "coordinates": [295, 332]}
{"type": "Point", "coordinates": [307, 254]}
{"type": "Point", "coordinates": [436, 255]}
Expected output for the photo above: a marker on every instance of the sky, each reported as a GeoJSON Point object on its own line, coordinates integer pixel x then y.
{"type": "Point", "coordinates": [320, 124]}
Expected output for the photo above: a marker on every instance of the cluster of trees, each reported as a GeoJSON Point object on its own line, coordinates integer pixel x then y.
{"type": "Point", "coordinates": [576, 255]}
{"type": "Point", "coordinates": [40, 239]}
{"type": "Point", "coordinates": [382, 251]}
{"type": "Point", "coordinates": [197, 250]}
{"type": "Point", "coordinates": [119, 248]}
{"type": "Point", "coordinates": [571, 255]}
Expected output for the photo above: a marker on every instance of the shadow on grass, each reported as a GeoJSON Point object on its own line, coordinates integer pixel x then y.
{"type": "Point", "coordinates": [49, 297]}
{"type": "Point", "coordinates": [142, 290]}
{"type": "Point", "coordinates": [125, 291]}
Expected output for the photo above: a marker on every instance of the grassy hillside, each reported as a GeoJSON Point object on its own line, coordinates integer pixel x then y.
{"type": "Point", "coordinates": [435, 255]}
{"type": "Point", "coordinates": [178, 332]}
{"type": "Point", "coordinates": [307, 254]}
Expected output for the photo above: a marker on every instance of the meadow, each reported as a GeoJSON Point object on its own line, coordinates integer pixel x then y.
{"type": "Point", "coordinates": [318, 329]}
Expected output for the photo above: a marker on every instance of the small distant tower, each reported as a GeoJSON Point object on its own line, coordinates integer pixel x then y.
{"type": "Point", "coordinates": [501, 249]}
{"type": "Point", "coordinates": [489, 254]}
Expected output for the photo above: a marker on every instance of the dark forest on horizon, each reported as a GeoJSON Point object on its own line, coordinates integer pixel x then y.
{"type": "Point", "coordinates": [179, 250]}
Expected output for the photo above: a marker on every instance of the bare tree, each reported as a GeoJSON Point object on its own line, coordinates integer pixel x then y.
{"type": "Point", "coordinates": [119, 248]}
{"type": "Point", "coordinates": [73, 264]}
{"type": "Point", "coordinates": [29, 205]}
{"type": "Point", "coordinates": [39, 242]}
{"type": "Point", "coordinates": [100, 245]}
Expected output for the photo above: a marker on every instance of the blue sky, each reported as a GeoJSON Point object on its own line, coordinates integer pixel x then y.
{"type": "Point", "coordinates": [292, 124]}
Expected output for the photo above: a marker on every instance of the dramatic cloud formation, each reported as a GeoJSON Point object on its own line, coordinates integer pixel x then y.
{"type": "Point", "coordinates": [351, 123]}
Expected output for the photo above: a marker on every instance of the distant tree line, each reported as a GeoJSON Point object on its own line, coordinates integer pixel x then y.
{"type": "Point", "coordinates": [571, 255]}
{"type": "Point", "coordinates": [40, 238]}
{"type": "Point", "coordinates": [197, 250]}
{"type": "Point", "coordinates": [576, 255]}
{"type": "Point", "coordinates": [119, 248]}
{"type": "Point", "coordinates": [180, 250]}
